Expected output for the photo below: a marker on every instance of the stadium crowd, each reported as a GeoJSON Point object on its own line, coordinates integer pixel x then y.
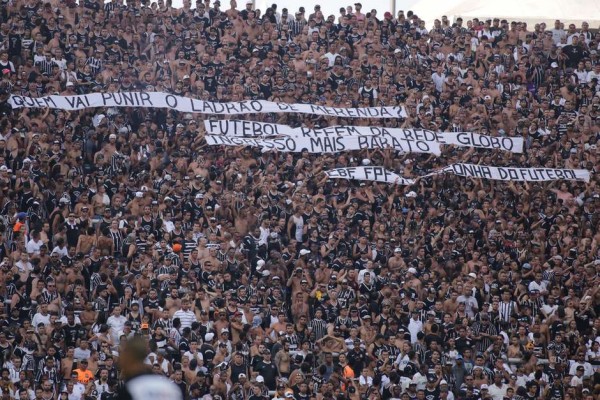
{"type": "Point", "coordinates": [250, 273]}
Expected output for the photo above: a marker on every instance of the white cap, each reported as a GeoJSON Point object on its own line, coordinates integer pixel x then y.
{"type": "Point", "coordinates": [443, 382]}
{"type": "Point", "coordinates": [199, 195]}
{"type": "Point", "coordinates": [397, 51]}
{"type": "Point", "coordinates": [112, 136]}
{"type": "Point", "coordinates": [69, 84]}
{"type": "Point", "coordinates": [411, 194]}
{"type": "Point", "coordinates": [139, 194]}
{"type": "Point", "coordinates": [97, 120]}
{"type": "Point", "coordinates": [260, 379]}
{"type": "Point", "coordinates": [209, 337]}
{"type": "Point", "coordinates": [260, 264]}
{"type": "Point", "coordinates": [304, 252]}
{"type": "Point", "coordinates": [397, 250]}
{"type": "Point", "coordinates": [412, 271]}
{"type": "Point", "coordinates": [186, 77]}
{"type": "Point", "coordinates": [487, 97]}
{"type": "Point", "coordinates": [266, 273]}
{"type": "Point", "coordinates": [224, 330]}
{"type": "Point", "coordinates": [484, 386]}
{"type": "Point", "coordinates": [554, 65]}
{"type": "Point", "coordinates": [472, 275]}
{"type": "Point", "coordinates": [366, 161]}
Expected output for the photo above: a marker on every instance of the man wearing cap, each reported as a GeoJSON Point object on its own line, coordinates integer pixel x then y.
{"type": "Point", "coordinates": [484, 332]}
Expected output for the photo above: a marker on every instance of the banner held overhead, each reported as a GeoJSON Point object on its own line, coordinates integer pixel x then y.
{"type": "Point", "coordinates": [371, 173]}
{"type": "Point", "coordinates": [188, 104]}
{"type": "Point", "coordinates": [327, 144]}
{"type": "Point", "coordinates": [461, 139]}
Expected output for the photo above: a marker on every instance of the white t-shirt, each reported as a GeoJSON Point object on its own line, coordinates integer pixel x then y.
{"type": "Point", "coordinates": [414, 327]}
{"type": "Point", "coordinates": [61, 252]}
{"type": "Point", "coordinates": [152, 387]}
{"type": "Point", "coordinates": [330, 58]}
{"type": "Point", "coordinates": [438, 81]}
{"type": "Point", "coordinates": [33, 247]}
{"type": "Point", "coordinates": [591, 75]}
{"type": "Point", "coordinates": [557, 35]}
{"type": "Point", "coordinates": [39, 318]}
{"type": "Point", "coordinates": [497, 392]}
{"type": "Point", "coordinates": [116, 324]}
{"type": "Point", "coordinates": [537, 286]}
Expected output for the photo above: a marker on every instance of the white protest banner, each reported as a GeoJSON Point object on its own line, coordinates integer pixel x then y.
{"type": "Point", "coordinates": [240, 128]}
{"type": "Point", "coordinates": [370, 173]}
{"type": "Point", "coordinates": [264, 129]}
{"type": "Point", "coordinates": [463, 139]}
{"type": "Point", "coordinates": [516, 173]}
{"type": "Point", "coordinates": [327, 144]}
{"type": "Point", "coordinates": [469, 139]}
{"type": "Point", "coordinates": [187, 104]}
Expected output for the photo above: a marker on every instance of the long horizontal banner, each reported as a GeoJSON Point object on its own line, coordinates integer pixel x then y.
{"type": "Point", "coordinates": [239, 128]}
{"type": "Point", "coordinates": [297, 144]}
{"type": "Point", "coordinates": [187, 104]}
{"type": "Point", "coordinates": [380, 174]}
{"type": "Point", "coordinates": [517, 174]}
{"type": "Point", "coordinates": [377, 174]}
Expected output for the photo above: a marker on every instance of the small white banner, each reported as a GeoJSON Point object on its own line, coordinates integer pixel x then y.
{"type": "Point", "coordinates": [377, 174]}
{"type": "Point", "coordinates": [517, 174]}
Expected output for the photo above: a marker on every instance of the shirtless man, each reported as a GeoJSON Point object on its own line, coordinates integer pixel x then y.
{"type": "Point", "coordinates": [396, 262]}
{"type": "Point", "coordinates": [332, 344]}
{"type": "Point", "coordinates": [451, 305]}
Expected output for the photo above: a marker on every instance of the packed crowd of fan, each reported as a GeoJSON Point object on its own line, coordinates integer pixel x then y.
{"type": "Point", "coordinates": [251, 274]}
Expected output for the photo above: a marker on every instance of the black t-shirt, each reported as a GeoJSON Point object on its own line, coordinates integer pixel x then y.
{"type": "Point", "coordinates": [269, 372]}
{"type": "Point", "coordinates": [432, 394]}
{"type": "Point", "coordinates": [109, 396]}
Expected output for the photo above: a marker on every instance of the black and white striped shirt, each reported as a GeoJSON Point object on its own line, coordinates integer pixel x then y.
{"type": "Point", "coordinates": [506, 310]}
{"type": "Point", "coordinates": [188, 246]}
{"type": "Point", "coordinates": [141, 245]}
{"type": "Point", "coordinates": [296, 27]}
{"type": "Point", "coordinates": [45, 66]}
{"type": "Point", "coordinates": [116, 162]}
{"type": "Point", "coordinates": [95, 64]}
{"type": "Point", "coordinates": [95, 281]}
{"type": "Point", "coordinates": [48, 297]}
{"type": "Point", "coordinates": [319, 327]}
{"type": "Point", "coordinates": [117, 238]}
{"type": "Point", "coordinates": [484, 342]}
